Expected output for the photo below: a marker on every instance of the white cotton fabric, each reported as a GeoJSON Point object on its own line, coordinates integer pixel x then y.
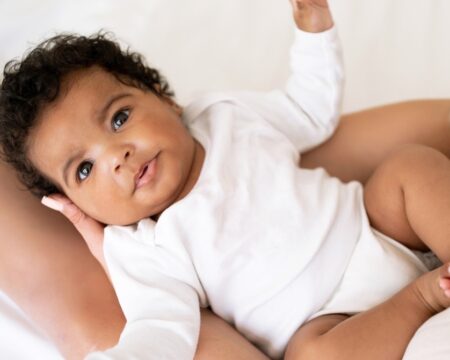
{"type": "Point", "coordinates": [378, 269]}
{"type": "Point", "coordinates": [262, 241]}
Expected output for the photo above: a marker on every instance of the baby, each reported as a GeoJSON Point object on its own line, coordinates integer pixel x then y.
{"type": "Point", "coordinates": [207, 205]}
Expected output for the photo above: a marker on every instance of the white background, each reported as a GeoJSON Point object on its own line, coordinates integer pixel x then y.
{"type": "Point", "coordinates": [393, 49]}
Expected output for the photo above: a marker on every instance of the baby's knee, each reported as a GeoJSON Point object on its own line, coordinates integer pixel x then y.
{"type": "Point", "coordinates": [411, 161]}
{"type": "Point", "coordinates": [304, 350]}
{"type": "Point", "coordinates": [409, 167]}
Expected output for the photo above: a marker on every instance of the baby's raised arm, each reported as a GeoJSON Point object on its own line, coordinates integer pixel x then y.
{"type": "Point", "coordinates": [316, 82]}
{"type": "Point", "coordinates": [307, 111]}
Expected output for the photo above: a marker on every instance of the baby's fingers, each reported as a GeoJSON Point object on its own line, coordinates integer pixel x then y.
{"type": "Point", "coordinates": [302, 3]}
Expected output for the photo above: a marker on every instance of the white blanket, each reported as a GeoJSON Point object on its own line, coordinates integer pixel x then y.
{"type": "Point", "coordinates": [393, 50]}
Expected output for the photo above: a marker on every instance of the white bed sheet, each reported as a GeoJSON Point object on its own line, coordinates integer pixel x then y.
{"type": "Point", "coordinates": [393, 50]}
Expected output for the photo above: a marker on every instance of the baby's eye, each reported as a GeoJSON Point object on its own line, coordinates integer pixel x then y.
{"type": "Point", "coordinates": [84, 170]}
{"type": "Point", "coordinates": [119, 119]}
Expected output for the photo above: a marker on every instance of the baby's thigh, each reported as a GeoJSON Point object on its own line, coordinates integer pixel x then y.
{"type": "Point", "coordinates": [384, 192]}
{"type": "Point", "coordinates": [304, 344]}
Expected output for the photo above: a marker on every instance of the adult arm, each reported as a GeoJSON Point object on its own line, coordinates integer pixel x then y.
{"type": "Point", "coordinates": [364, 138]}
{"type": "Point", "coordinates": [47, 269]}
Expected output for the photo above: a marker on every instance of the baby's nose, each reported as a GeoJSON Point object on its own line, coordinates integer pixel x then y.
{"type": "Point", "coordinates": [120, 159]}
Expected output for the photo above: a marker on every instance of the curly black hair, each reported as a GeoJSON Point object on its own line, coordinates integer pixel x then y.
{"type": "Point", "coordinates": [34, 82]}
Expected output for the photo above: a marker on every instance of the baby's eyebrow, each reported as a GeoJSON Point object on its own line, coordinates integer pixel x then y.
{"type": "Point", "coordinates": [102, 112]}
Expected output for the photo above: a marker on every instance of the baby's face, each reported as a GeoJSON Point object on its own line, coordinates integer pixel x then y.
{"type": "Point", "coordinates": [120, 153]}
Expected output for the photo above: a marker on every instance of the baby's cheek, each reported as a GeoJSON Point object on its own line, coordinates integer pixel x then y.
{"type": "Point", "coordinates": [115, 213]}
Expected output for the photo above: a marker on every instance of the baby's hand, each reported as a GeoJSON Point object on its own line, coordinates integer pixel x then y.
{"type": "Point", "coordinates": [90, 229]}
{"type": "Point", "coordinates": [312, 15]}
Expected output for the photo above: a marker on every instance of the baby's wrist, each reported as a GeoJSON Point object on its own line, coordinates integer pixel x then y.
{"type": "Point", "coordinates": [314, 21]}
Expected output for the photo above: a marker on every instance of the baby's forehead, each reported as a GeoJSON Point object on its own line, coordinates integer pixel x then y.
{"type": "Point", "coordinates": [93, 77]}
{"type": "Point", "coordinates": [80, 91]}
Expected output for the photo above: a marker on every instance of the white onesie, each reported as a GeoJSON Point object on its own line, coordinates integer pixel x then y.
{"type": "Point", "coordinates": [260, 240]}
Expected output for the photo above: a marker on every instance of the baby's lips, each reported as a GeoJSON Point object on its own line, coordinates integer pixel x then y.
{"type": "Point", "coordinates": [51, 203]}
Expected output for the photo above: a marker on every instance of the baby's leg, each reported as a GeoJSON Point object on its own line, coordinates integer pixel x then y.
{"type": "Point", "coordinates": [408, 199]}
{"type": "Point", "coordinates": [379, 333]}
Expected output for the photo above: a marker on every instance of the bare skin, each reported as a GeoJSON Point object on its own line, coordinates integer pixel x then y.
{"type": "Point", "coordinates": [386, 128]}
{"type": "Point", "coordinates": [408, 199]}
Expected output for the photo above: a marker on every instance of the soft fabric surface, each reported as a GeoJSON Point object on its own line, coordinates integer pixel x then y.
{"type": "Point", "coordinates": [393, 50]}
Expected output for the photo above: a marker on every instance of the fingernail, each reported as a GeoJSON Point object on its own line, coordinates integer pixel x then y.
{"type": "Point", "coordinates": [52, 204]}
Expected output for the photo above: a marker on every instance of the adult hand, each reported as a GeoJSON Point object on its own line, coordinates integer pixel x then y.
{"type": "Point", "coordinates": [312, 15]}
{"type": "Point", "coordinates": [91, 230]}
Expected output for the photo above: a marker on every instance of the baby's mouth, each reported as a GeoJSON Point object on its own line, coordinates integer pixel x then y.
{"type": "Point", "coordinates": [146, 173]}
{"type": "Point", "coordinates": [143, 171]}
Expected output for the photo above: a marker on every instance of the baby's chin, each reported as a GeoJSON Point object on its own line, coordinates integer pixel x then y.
{"type": "Point", "coordinates": [121, 222]}
{"type": "Point", "coordinates": [109, 212]}
{"type": "Point", "coordinates": [119, 219]}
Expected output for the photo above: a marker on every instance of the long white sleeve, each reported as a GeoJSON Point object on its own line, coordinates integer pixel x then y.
{"type": "Point", "coordinates": [307, 111]}
{"type": "Point", "coordinates": [156, 290]}
{"type": "Point", "coordinates": [317, 76]}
